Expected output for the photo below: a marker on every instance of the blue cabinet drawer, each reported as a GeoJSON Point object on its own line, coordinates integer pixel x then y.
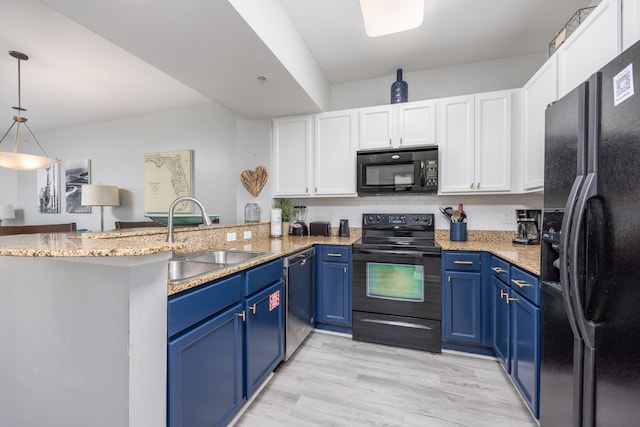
{"type": "Point", "coordinates": [500, 269]}
{"type": "Point", "coordinates": [526, 284]}
{"type": "Point", "coordinates": [464, 261]}
{"type": "Point", "coordinates": [188, 309]}
{"type": "Point", "coordinates": [336, 253]}
{"type": "Point", "coordinates": [261, 276]}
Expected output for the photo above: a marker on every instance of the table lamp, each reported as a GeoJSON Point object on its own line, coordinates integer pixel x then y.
{"type": "Point", "coordinates": [100, 195]}
{"type": "Point", "coordinates": [6, 212]}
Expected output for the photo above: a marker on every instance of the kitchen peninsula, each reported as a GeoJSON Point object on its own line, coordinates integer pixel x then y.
{"type": "Point", "coordinates": [84, 320]}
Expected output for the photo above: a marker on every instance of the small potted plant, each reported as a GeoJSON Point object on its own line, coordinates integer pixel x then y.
{"type": "Point", "coordinates": [286, 206]}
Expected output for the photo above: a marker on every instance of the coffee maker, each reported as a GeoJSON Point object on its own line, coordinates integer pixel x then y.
{"type": "Point", "coordinates": [298, 226]}
{"type": "Point", "coordinates": [528, 226]}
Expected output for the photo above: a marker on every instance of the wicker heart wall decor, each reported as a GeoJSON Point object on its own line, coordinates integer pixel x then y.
{"type": "Point", "coordinates": [254, 180]}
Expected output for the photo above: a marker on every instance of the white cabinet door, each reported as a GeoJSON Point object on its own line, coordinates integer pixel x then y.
{"type": "Point", "coordinates": [630, 22]}
{"type": "Point", "coordinates": [594, 43]}
{"type": "Point", "coordinates": [399, 125]}
{"type": "Point", "coordinates": [376, 127]}
{"type": "Point", "coordinates": [493, 141]}
{"type": "Point", "coordinates": [335, 153]}
{"type": "Point", "coordinates": [456, 144]}
{"type": "Point", "coordinates": [474, 142]}
{"type": "Point", "coordinates": [538, 93]}
{"type": "Point", "coordinates": [291, 156]}
{"type": "Point", "coordinates": [416, 124]}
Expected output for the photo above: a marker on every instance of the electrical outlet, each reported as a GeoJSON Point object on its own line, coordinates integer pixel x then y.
{"type": "Point", "coordinates": [231, 237]}
{"type": "Point", "coordinates": [506, 218]}
{"type": "Point", "coordinates": [247, 235]}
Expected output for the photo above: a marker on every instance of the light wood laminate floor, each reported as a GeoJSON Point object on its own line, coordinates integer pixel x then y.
{"type": "Point", "coordinates": [335, 381]}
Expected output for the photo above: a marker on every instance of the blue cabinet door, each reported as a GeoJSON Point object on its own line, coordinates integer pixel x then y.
{"type": "Point", "coordinates": [205, 372]}
{"type": "Point", "coordinates": [525, 356]}
{"type": "Point", "coordinates": [334, 295]}
{"type": "Point", "coordinates": [333, 285]}
{"type": "Point", "coordinates": [501, 322]}
{"type": "Point", "coordinates": [463, 307]}
{"type": "Point", "coordinates": [264, 335]}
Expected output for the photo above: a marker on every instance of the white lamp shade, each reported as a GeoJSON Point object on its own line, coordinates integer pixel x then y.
{"type": "Point", "coordinates": [100, 195]}
{"type": "Point", "coordinates": [7, 212]}
{"type": "Point", "coordinates": [22, 161]}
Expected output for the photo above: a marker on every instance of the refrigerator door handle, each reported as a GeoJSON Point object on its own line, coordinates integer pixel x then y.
{"type": "Point", "coordinates": [589, 190]}
{"type": "Point", "coordinates": [565, 243]}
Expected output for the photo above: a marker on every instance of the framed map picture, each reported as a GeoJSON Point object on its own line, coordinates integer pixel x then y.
{"type": "Point", "coordinates": [76, 174]}
{"type": "Point", "coordinates": [167, 176]}
{"type": "Point", "coordinates": [48, 183]}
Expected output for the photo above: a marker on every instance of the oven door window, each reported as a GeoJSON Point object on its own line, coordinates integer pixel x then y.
{"type": "Point", "coordinates": [397, 282]}
{"type": "Point", "coordinates": [390, 175]}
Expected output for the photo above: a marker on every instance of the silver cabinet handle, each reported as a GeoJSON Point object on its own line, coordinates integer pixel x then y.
{"type": "Point", "coordinates": [521, 283]}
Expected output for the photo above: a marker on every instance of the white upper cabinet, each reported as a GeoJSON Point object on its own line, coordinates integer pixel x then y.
{"type": "Point", "coordinates": [493, 141]}
{"type": "Point", "coordinates": [456, 136]}
{"type": "Point", "coordinates": [398, 125]}
{"type": "Point", "coordinates": [537, 94]}
{"type": "Point", "coordinates": [416, 123]}
{"type": "Point", "coordinates": [474, 142]}
{"type": "Point", "coordinates": [336, 140]}
{"type": "Point", "coordinates": [291, 156]}
{"type": "Point", "coordinates": [593, 44]}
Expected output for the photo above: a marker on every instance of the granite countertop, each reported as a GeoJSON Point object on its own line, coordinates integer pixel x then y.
{"type": "Point", "coordinates": [498, 243]}
{"type": "Point", "coordinates": [147, 241]}
{"type": "Point", "coordinates": [79, 245]}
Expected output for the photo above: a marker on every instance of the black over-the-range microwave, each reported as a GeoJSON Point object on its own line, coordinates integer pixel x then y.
{"type": "Point", "coordinates": [401, 171]}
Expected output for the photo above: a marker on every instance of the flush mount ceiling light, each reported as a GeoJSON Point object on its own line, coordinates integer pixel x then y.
{"type": "Point", "coordinates": [383, 17]}
{"type": "Point", "coordinates": [13, 159]}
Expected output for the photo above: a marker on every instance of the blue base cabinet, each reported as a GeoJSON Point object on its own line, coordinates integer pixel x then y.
{"type": "Point", "coordinates": [525, 361]}
{"type": "Point", "coordinates": [333, 287]}
{"type": "Point", "coordinates": [501, 323]}
{"type": "Point", "coordinates": [205, 372]}
{"type": "Point", "coordinates": [264, 335]}
{"type": "Point", "coordinates": [516, 327]}
{"type": "Point", "coordinates": [501, 314]}
{"type": "Point", "coordinates": [465, 302]}
{"type": "Point", "coordinates": [224, 339]}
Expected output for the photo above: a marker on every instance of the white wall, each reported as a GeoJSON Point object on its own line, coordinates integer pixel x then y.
{"type": "Point", "coordinates": [116, 150]}
{"type": "Point", "coordinates": [473, 77]}
{"type": "Point", "coordinates": [253, 149]}
{"type": "Point", "coordinates": [8, 190]}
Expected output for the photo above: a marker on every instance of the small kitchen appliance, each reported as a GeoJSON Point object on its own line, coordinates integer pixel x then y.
{"type": "Point", "coordinates": [320, 228]}
{"type": "Point", "coordinates": [343, 230]}
{"type": "Point", "coordinates": [528, 226]}
{"type": "Point", "coordinates": [298, 226]}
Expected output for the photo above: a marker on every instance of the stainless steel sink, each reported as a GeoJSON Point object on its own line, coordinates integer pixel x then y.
{"type": "Point", "coordinates": [198, 263]}
{"type": "Point", "coordinates": [225, 256]}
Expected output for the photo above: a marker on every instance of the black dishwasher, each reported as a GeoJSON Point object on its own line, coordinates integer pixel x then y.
{"type": "Point", "coordinates": [299, 300]}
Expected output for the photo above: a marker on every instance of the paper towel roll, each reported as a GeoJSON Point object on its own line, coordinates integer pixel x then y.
{"type": "Point", "coordinates": [276, 222]}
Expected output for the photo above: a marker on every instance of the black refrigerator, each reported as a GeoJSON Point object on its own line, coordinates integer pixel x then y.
{"type": "Point", "coordinates": [590, 252]}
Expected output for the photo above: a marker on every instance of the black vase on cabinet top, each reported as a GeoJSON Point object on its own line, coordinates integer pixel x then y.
{"type": "Point", "coordinates": [399, 89]}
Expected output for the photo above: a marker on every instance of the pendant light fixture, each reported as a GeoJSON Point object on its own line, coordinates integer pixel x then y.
{"type": "Point", "coordinates": [13, 159]}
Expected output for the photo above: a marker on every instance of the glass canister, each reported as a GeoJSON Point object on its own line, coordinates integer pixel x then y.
{"type": "Point", "coordinates": [252, 212]}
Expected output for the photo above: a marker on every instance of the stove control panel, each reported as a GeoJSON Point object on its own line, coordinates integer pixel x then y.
{"type": "Point", "coordinates": [397, 219]}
